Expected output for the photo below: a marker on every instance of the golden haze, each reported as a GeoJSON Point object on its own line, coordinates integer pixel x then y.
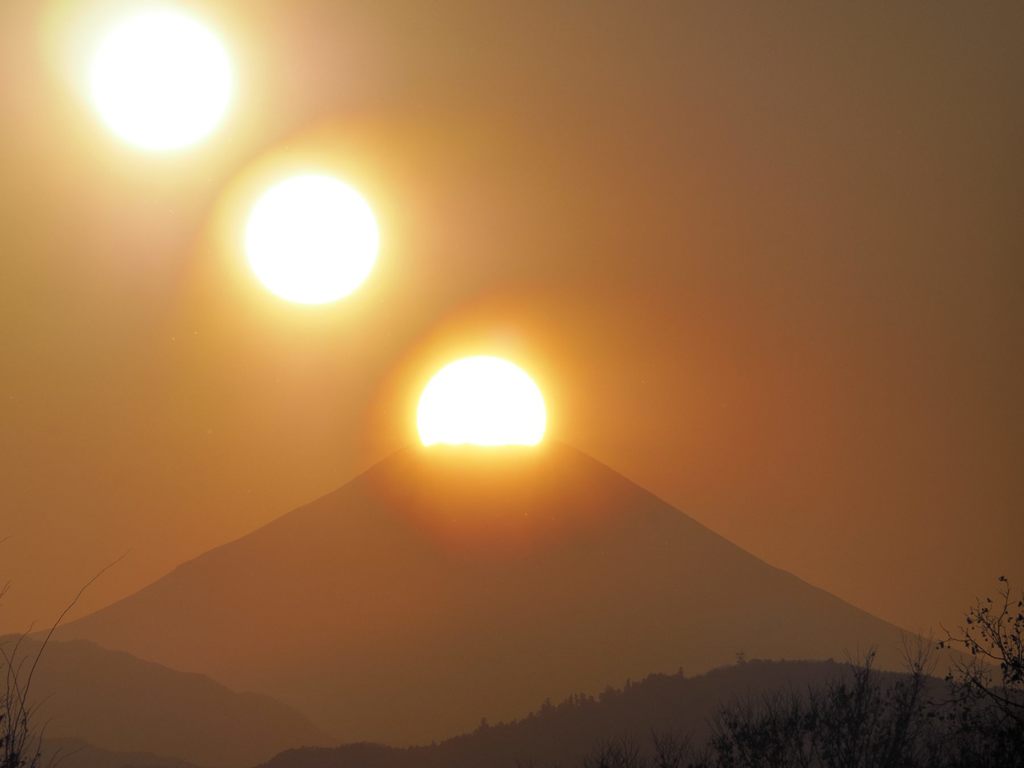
{"type": "Point", "coordinates": [652, 215]}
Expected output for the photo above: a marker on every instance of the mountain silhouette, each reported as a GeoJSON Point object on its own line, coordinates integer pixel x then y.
{"type": "Point", "coordinates": [115, 703]}
{"type": "Point", "coordinates": [448, 584]}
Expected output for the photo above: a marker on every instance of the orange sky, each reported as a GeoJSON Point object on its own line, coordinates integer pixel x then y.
{"type": "Point", "coordinates": [765, 262]}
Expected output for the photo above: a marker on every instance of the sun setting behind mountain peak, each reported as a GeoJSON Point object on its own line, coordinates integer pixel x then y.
{"type": "Point", "coordinates": [481, 401]}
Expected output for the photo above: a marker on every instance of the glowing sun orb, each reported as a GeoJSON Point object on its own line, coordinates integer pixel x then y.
{"type": "Point", "coordinates": [481, 401]}
{"type": "Point", "coordinates": [311, 239]}
{"type": "Point", "coordinates": [161, 80]}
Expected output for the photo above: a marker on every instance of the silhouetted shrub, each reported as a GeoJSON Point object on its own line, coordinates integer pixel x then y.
{"type": "Point", "coordinates": [21, 744]}
{"type": "Point", "coordinates": [18, 748]}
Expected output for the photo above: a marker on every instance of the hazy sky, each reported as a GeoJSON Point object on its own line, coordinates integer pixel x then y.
{"type": "Point", "coordinates": [764, 259]}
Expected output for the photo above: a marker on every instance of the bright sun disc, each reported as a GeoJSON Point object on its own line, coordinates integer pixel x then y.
{"type": "Point", "coordinates": [161, 80]}
{"type": "Point", "coordinates": [311, 239]}
{"type": "Point", "coordinates": [481, 401]}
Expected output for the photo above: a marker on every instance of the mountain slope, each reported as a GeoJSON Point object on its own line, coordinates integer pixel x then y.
{"type": "Point", "coordinates": [118, 703]}
{"type": "Point", "coordinates": [448, 584]}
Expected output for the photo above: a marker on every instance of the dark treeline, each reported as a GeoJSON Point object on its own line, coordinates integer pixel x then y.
{"type": "Point", "coordinates": [562, 733]}
{"type": "Point", "coordinates": [766, 713]}
{"type": "Point", "coordinates": [974, 719]}
{"type": "Point", "coordinates": [863, 721]}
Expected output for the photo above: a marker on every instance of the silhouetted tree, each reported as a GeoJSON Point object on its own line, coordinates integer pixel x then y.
{"type": "Point", "coordinates": [669, 751]}
{"type": "Point", "coordinates": [986, 716]}
{"type": "Point", "coordinates": [617, 753]}
{"type": "Point", "coordinates": [674, 751]}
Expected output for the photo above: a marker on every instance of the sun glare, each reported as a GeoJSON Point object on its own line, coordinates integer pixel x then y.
{"type": "Point", "coordinates": [161, 80]}
{"type": "Point", "coordinates": [311, 239]}
{"type": "Point", "coordinates": [481, 401]}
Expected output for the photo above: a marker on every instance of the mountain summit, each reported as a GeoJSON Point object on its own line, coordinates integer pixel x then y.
{"type": "Point", "coordinates": [447, 584]}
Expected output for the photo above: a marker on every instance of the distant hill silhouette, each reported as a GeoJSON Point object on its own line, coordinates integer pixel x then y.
{"type": "Point", "coordinates": [75, 753]}
{"type": "Point", "coordinates": [564, 734]}
{"type": "Point", "coordinates": [118, 703]}
{"type": "Point", "coordinates": [443, 585]}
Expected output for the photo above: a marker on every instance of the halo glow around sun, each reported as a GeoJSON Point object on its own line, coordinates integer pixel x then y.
{"type": "Point", "coordinates": [161, 80]}
{"type": "Point", "coordinates": [481, 401]}
{"type": "Point", "coordinates": [311, 239]}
